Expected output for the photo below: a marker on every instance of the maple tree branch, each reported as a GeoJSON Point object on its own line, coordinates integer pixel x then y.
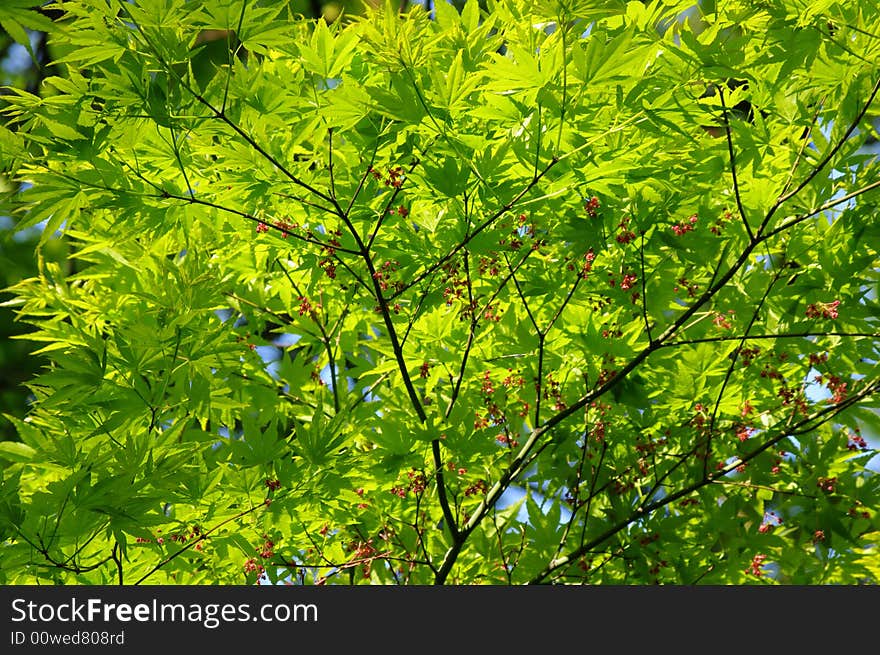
{"type": "Point", "coordinates": [736, 193]}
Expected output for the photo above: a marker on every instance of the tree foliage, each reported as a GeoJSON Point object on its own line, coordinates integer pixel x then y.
{"type": "Point", "coordinates": [339, 292]}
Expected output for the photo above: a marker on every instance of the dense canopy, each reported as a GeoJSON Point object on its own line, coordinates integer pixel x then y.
{"type": "Point", "coordinates": [560, 291]}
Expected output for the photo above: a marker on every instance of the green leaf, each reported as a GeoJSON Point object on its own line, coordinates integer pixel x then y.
{"type": "Point", "coordinates": [17, 32]}
{"type": "Point", "coordinates": [14, 451]}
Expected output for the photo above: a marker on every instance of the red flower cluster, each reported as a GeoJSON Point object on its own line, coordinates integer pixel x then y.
{"type": "Point", "coordinates": [266, 551]}
{"type": "Point", "coordinates": [690, 287]}
{"type": "Point", "coordinates": [827, 484]}
{"type": "Point", "coordinates": [489, 265]}
{"type": "Point", "coordinates": [591, 206]}
{"type": "Point", "coordinates": [720, 222]}
{"type": "Point", "coordinates": [282, 224]}
{"type": "Point", "coordinates": [856, 441]}
{"type": "Point", "coordinates": [685, 226]}
{"type": "Point", "coordinates": [589, 257]}
{"type": "Point", "coordinates": [723, 321]}
{"type": "Point", "coordinates": [744, 432]}
{"type": "Point", "coordinates": [479, 487]}
{"type": "Point", "coordinates": [383, 276]}
{"type": "Point", "coordinates": [328, 251]}
{"type": "Point", "coordinates": [418, 482]}
{"type": "Point", "coordinates": [755, 566]}
{"type": "Point", "coordinates": [286, 227]}
{"type": "Point", "coordinates": [495, 413]}
{"type": "Point", "coordinates": [626, 235]}
{"type": "Point", "coordinates": [627, 281]}
{"type": "Point", "coordinates": [394, 178]}
{"type": "Point", "coordinates": [305, 306]}
{"type": "Point", "coordinates": [823, 309]}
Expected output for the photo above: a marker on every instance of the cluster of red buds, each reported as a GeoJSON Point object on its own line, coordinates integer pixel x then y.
{"type": "Point", "coordinates": [823, 309]}
{"type": "Point", "coordinates": [592, 206]}
{"type": "Point", "coordinates": [394, 178]}
{"type": "Point", "coordinates": [418, 482]}
{"type": "Point", "coordinates": [685, 226]}
{"type": "Point", "coordinates": [755, 568]}
{"type": "Point", "coordinates": [720, 223]}
{"type": "Point", "coordinates": [478, 487]}
{"type": "Point", "coordinates": [626, 235]}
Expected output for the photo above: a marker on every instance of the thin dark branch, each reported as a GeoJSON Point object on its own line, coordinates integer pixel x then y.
{"type": "Point", "coordinates": [176, 147]}
{"type": "Point", "coordinates": [703, 574]}
{"type": "Point", "coordinates": [681, 460]}
{"type": "Point", "coordinates": [415, 313]}
{"type": "Point", "coordinates": [828, 205]}
{"type": "Point", "coordinates": [387, 320]}
{"type": "Point", "coordinates": [539, 380]}
{"type": "Point", "coordinates": [824, 162]}
{"type": "Point", "coordinates": [775, 490]}
{"type": "Point", "coordinates": [362, 181]}
{"type": "Point", "coordinates": [230, 55]}
{"type": "Point", "coordinates": [563, 305]}
{"type": "Point", "coordinates": [442, 494]}
{"type": "Point", "coordinates": [420, 535]}
{"type": "Point", "coordinates": [456, 387]}
{"type": "Point", "coordinates": [522, 297]}
{"type": "Point", "coordinates": [754, 337]}
{"type": "Point", "coordinates": [325, 338]}
{"type": "Point", "coordinates": [330, 162]}
{"type": "Point", "coordinates": [354, 274]}
{"type": "Point", "coordinates": [60, 514]}
{"type": "Point", "coordinates": [84, 544]}
{"type": "Point", "coordinates": [397, 349]}
{"type": "Point", "coordinates": [805, 141]}
{"type": "Point", "coordinates": [475, 321]}
{"type": "Point", "coordinates": [303, 201]}
{"type": "Point", "coordinates": [387, 208]}
{"type": "Point", "coordinates": [736, 193]}
{"type": "Point", "coordinates": [114, 555]}
{"type": "Point", "coordinates": [53, 563]}
{"type": "Point", "coordinates": [594, 478]}
{"type": "Point", "coordinates": [504, 563]}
